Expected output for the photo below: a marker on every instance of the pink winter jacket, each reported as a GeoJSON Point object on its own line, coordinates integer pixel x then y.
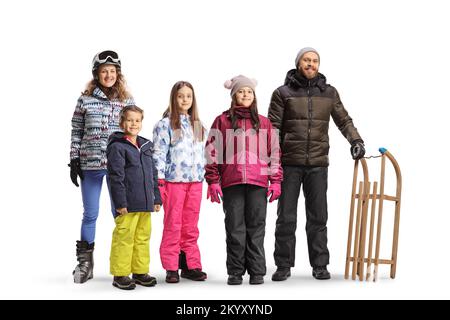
{"type": "Point", "coordinates": [242, 156]}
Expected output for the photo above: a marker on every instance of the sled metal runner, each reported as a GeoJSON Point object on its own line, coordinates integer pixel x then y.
{"type": "Point", "coordinates": [361, 200]}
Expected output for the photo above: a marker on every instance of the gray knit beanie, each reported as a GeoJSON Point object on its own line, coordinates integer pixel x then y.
{"type": "Point", "coordinates": [239, 82]}
{"type": "Point", "coordinates": [302, 52]}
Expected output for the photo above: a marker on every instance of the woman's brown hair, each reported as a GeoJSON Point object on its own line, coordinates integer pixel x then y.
{"type": "Point", "coordinates": [117, 91]}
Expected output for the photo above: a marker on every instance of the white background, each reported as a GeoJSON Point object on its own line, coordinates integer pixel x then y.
{"type": "Point", "coordinates": [388, 59]}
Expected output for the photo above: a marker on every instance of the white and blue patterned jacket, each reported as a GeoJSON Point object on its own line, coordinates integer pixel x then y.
{"type": "Point", "coordinates": [94, 120]}
{"type": "Point", "coordinates": [178, 159]}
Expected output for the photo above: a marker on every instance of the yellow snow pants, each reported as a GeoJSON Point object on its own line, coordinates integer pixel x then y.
{"type": "Point", "coordinates": [130, 247]}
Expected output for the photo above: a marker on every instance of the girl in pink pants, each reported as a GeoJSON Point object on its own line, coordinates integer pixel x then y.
{"type": "Point", "coordinates": [179, 158]}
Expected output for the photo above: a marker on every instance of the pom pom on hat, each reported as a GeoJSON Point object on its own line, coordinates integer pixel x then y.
{"type": "Point", "coordinates": [228, 84]}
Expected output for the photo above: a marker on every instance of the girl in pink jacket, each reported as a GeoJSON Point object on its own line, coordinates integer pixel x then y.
{"type": "Point", "coordinates": [243, 156]}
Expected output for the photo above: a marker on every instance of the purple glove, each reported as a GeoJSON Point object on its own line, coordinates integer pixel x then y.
{"type": "Point", "coordinates": [214, 191]}
{"type": "Point", "coordinates": [274, 191]}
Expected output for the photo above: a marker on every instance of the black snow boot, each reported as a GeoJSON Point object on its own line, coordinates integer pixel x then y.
{"type": "Point", "coordinates": [85, 268]}
{"type": "Point", "coordinates": [124, 283]}
{"type": "Point", "coordinates": [234, 279]}
{"type": "Point", "coordinates": [194, 274]}
{"type": "Point", "coordinates": [144, 280]}
{"type": "Point", "coordinates": [172, 276]}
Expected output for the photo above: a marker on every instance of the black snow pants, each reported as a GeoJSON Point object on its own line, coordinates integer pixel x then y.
{"type": "Point", "coordinates": [315, 182]}
{"type": "Point", "coordinates": [245, 208]}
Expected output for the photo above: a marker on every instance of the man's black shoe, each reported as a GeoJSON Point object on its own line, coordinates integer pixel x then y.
{"type": "Point", "coordinates": [281, 274]}
{"type": "Point", "coordinates": [321, 273]}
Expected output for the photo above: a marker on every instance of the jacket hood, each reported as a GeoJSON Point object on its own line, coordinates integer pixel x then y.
{"type": "Point", "coordinates": [296, 80]}
{"type": "Point", "coordinates": [119, 136]}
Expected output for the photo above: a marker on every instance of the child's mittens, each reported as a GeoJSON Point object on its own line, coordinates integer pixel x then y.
{"type": "Point", "coordinates": [274, 191]}
{"type": "Point", "coordinates": [214, 191]}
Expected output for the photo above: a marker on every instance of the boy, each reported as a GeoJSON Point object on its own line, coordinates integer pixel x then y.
{"type": "Point", "coordinates": [133, 180]}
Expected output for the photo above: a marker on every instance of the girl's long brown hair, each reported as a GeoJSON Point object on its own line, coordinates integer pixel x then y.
{"type": "Point", "coordinates": [253, 113]}
{"type": "Point", "coordinates": [117, 91]}
{"type": "Point", "coordinates": [174, 114]}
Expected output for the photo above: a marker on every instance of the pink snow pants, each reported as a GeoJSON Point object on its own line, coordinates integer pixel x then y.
{"type": "Point", "coordinates": [181, 211]}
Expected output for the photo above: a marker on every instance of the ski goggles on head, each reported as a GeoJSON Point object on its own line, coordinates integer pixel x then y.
{"type": "Point", "coordinates": [105, 57]}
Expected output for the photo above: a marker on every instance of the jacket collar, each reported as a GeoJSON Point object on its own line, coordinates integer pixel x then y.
{"type": "Point", "coordinates": [118, 136]}
{"type": "Point", "coordinates": [296, 80]}
{"type": "Point", "coordinates": [99, 93]}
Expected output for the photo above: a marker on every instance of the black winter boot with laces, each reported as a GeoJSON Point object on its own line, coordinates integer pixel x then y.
{"type": "Point", "coordinates": [124, 283]}
{"type": "Point", "coordinates": [172, 276]}
{"type": "Point", "coordinates": [144, 280]}
{"type": "Point", "coordinates": [194, 274]}
{"type": "Point", "coordinates": [85, 268]}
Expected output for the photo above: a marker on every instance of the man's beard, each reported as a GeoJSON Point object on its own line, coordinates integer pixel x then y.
{"type": "Point", "coordinates": [307, 76]}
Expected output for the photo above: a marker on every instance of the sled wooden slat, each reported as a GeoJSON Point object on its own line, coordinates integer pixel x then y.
{"type": "Point", "coordinates": [357, 231]}
{"type": "Point", "coordinates": [350, 225]}
{"type": "Point", "coordinates": [373, 196]}
{"type": "Point", "coordinates": [385, 197]}
{"type": "Point", "coordinates": [380, 261]}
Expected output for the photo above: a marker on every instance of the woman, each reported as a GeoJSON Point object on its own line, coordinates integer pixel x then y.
{"type": "Point", "coordinates": [96, 116]}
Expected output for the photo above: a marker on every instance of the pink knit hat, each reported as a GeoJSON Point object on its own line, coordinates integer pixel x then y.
{"type": "Point", "coordinates": [239, 82]}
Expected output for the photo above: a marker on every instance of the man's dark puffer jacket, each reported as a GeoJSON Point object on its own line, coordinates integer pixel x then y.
{"type": "Point", "coordinates": [301, 110]}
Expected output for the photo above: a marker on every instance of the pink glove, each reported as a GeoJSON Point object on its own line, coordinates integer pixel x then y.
{"type": "Point", "coordinates": [274, 191]}
{"type": "Point", "coordinates": [162, 189]}
{"type": "Point", "coordinates": [214, 191]}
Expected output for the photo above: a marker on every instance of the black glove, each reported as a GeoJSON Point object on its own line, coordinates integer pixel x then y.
{"type": "Point", "coordinates": [75, 170]}
{"type": "Point", "coordinates": [357, 149]}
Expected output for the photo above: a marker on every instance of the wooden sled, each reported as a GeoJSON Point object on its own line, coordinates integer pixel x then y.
{"type": "Point", "coordinates": [364, 199]}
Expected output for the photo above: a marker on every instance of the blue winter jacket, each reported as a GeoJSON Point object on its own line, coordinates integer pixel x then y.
{"type": "Point", "coordinates": [133, 178]}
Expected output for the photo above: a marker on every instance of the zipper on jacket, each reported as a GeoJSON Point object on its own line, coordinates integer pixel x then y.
{"type": "Point", "coordinates": [193, 157]}
{"type": "Point", "coordinates": [308, 139]}
{"type": "Point", "coordinates": [193, 167]}
{"type": "Point", "coordinates": [143, 173]}
{"type": "Point", "coordinates": [245, 153]}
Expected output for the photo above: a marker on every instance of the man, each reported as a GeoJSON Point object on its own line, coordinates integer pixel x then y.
{"type": "Point", "coordinates": [301, 110]}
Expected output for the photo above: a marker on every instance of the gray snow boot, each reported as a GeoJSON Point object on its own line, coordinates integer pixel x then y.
{"type": "Point", "coordinates": [85, 268]}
